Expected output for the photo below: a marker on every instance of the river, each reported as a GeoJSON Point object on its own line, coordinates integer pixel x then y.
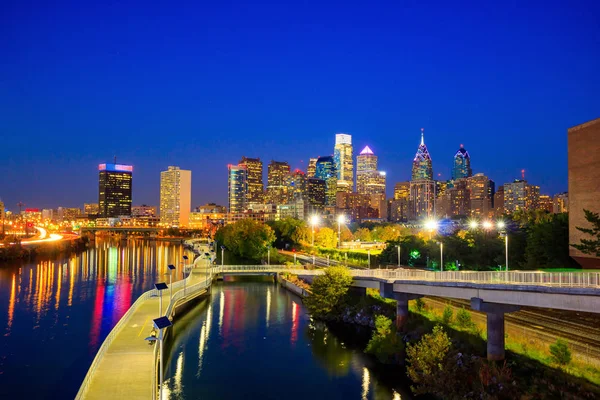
{"type": "Point", "coordinates": [255, 340]}
{"type": "Point", "coordinates": [55, 314]}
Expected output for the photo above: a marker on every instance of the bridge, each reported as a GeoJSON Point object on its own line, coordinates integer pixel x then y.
{"type": "Point", "coordinates": [126, 367]}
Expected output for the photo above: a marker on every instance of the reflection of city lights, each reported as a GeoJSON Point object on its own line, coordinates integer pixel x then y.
{"type": "Point", "coordinates": [366, 382]}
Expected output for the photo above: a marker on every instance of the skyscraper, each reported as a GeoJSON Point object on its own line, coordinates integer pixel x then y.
{"type": "Point", "coordinates": [480, 195]}
{"type": "Point", "coordinates": [325, 170]}
{"type": "Point", "coordinates": [342, 155]}
{"type": "Point", "coordinates": [366, 170]}
{"type": "Point", "coordinates": [254, 166]}
{"type": "Point", "coordinates": [422, 166]}
{"type": "Point", "coordinates": [276, 182]}
{"type": "Point", "coordinates": [295, 183]}
{"type": "Point", "coordinates": [422, 186]}
{"type": "Point", "coordinates": [312, 168]}
{"type": "Point", "coordinates": [515, 196]}
{"type": "Point", "coordinates": [175, 197]}
{"type": "Point", "coordinates": [316, 189]}
{"type": "Point", "coordinates": [114, 194]}
{"type": "Point", "coordinates": [462, 164]}
{"type": "Point", "coordinates": [237, 188]}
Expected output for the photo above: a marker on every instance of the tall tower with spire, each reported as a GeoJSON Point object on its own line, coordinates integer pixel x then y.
{"type": "Point", "coordinates": [422, 185]}
{"type": "Point", "coordinates": [422, 166]}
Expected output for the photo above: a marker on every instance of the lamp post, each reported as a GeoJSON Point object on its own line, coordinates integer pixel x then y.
{"type": "Point", "coordinates": [161, 323]}
{"type": "Point", "coordinates": [398, 246]}
{"type": "Point", "coordinates": [328, 260]}
{"type": "Point", "coordinates": [341, 219]}
{"type": "Point", "coordinates": [441, 256]}
{"type": "Point", "coordinates": [222, 256]}
{"type": "Point", "coordinates": [268, 255]}
{"type": "Point", "coordinates": [502, 226]}
{"type": "Point", "coordinates": [160, 287]}
{"type": "Point", "coordinates": [294, 257]}
{"type": "Point", "coordinates": [185, 258]}
{"type": "Point", "coordinates": [314, 220]}
{"type": "Point", "coordinates": [171, 269]}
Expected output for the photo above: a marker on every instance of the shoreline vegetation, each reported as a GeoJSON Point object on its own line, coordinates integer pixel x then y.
{"type": "Point", "coordinates": [18, 252]}
{"type": "Point", "coordinates": [443, 351]}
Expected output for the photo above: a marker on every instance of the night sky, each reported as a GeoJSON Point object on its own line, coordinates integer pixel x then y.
{"type": "Point", "coordinates": [200, 85]}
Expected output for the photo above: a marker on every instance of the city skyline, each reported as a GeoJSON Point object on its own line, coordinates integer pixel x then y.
{"type": "Point", "coordinates": [262, 86]}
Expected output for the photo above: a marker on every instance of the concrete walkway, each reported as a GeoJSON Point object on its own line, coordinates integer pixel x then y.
{"type": "Point", "coordinates": [126, 370]}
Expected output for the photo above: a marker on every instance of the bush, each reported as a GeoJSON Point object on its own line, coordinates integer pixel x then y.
{"type": "Point", "coordinates": [420, 305]}
{"type": "Point", "coordinates": [463, 319]}
{"type": "Point", "coordinates": [384, 344]}
{"type": "Point", "coordinates": [328, 291]}
{"type": "Point", "coordinates": [447, 315]}
{"type": "Point", "coordinates": [560, 352]}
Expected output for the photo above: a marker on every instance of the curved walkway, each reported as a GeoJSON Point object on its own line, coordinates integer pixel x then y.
{"type": "Point", "coordinates": [124, 367]}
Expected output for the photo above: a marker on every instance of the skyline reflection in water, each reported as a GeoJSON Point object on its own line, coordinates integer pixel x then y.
{"type": "Point", "coordinates": [54, 314]}
{"type": "Point", "coordinates": [256, 340]}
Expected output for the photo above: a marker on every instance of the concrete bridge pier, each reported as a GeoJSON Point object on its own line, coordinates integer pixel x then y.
{"type": "Point", "coordinates": [386, 290]}
{"type": "Point", "coordinates": [495, 325]}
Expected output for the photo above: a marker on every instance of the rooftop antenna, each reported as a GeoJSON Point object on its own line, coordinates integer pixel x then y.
{"type": "Point", "coordinates": [422, 136]}
{"type": "Point", "coordinates": [115, 159]}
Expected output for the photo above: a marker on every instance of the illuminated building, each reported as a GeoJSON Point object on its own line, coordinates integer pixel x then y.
{"type": "Point", "coordinates": [532, 197]}
{"type": "Point", "coordinates": [462, 164]}
{"type": "Point", "coordinates": [211, 208]}
{"type": "Point", "coordinates": [400, 205]}
{"type": "Point", "coordinates": [2, 211]}
{"type": "Point", "coordinates": [499, 202]}
{"type": "Point", "coordinates": [402, 190]}
{"type": "Point", "coordinates": [295, 209]}
{"type": "Point", "coordinates": [355, 206]}
{"type": "Point", "coordinates": [545, 203]}
{"type": "Point", "coordinates": [276, 182]}
{"type": "Point", "coordinates": [67, 213]}
{"type": "Point", "coordinates": [254, 166]}
{"type": "Point", "coordinates": [560, 203]}
{"type": "Point", "coordinates": [344, 168]}
{"type": "Point", "coordinates": [456, 200]}
{"type": "Point", "coordinates": [584, 181]}
{"type": "Point", "coordinates": [312, 168]}
{"type": "Point", "coordinates": [208, 216]}
{"type": "Point", "coordinates": [368, 179]}
{"type": "Point", "coordinates": [480, 196]}
{"type": "Point", "coordinates": [519, 195]}
{"type": "Point", "coordinates": [295, 184]}
{"type": "Point", "coordinates": [47, 214]}
{"type": "Point", "coordinates": [143, 211]}
{"type": "Point", "coordinates": [257, 216]}
{"type": "Point", "coordinates": [175, 196]}
{"type": "Point", "coordinates": [114, 194]}
{"type": "Point", "coordinates": [316, 194]}
{"type": "Point", "coordinates": [325, 170]}
{"type": "Point", "coordinates": [237, 188]}
{"type": "Point", "coordinates": [422, 186]}
{"type": "Point", "coordinates": [91, 209]}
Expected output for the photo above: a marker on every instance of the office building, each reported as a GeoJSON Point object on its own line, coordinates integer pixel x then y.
{"type": "Point", "coordinates": [584, 184]}
{"type": "Point", "coordinates": [515, 196]}
{"type": "Point", "coordinates": [175, 197]}
{"type": "Point", "coordinates": [295, 209]}
{"type": "Point", "coordinates": [312, 168]}
{"type": "Point", "coordinates": [256, 190]}
{"type": "Point", "coordinates": [456, 200]}
{"type": "Point", "coordinates": [91, 209]}
{"type": "Point", "coordinates": [422, 168]}
{"type": "Point", "coordinates": [325, 170]}
{"type": "Point", "coordinates": [115, 187]}
{"type": "Point", "coordinates": [344, 165]}
{"type": "Point", "coordinates": [499, 202]}
{"type": "Point", "coordinates": [143, 211]}
{"type": "Point", "coordinates": [2, 211]}
{"type": "Point", "coordinates": [368, 179]}
{"type": "Point", "coordinates": [67, 213]}
{"type": "Point", "coordinates": [422, 186]}
{"type": "Point", "coordinates": [462, 164]}
{"type": "Point", "coordinates": [316, 195]}
{"type": "Point", "coordinates": [295, 185]}
{"type": "Point", "coordinates": [532, 197]}
{"type": "Point", "coordinates": [560, 203]}
{"type": "Point", "coordinates": [545, 203]}
{"type": "Point", "coordinates": [480, 197]}
{"type": "Point", "coordinates": [237, 187]}
{"type": "Point", "coordinates": [208, 216]}
{"type": "Point", "coordinates": [276, 182]}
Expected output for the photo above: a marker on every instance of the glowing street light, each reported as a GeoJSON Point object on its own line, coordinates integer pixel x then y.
{"type": "Point", "coordinates": [502, 226]}
{"type": "Point", "coordinates": [314, 221]}
{"type": "Point", "coordinates": [431, 225]}
{"type": "Point", "coordinates": [473, 224]}
{"type": "Point", "coordinates": [341, 220]}
{"type": "Point", "coordinates": [488, 225]}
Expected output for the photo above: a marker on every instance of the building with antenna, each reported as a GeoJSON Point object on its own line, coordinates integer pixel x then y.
{"type": "Point", "coordinates": [462, 164]}
{"type": "Point", "coordinates": [422, 185]}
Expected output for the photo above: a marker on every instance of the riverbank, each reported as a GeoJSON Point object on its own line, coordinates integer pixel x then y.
{"type": "Point", "coordinates": [527, 375]}
{"type": "Point", "coordinates": [53, 249]}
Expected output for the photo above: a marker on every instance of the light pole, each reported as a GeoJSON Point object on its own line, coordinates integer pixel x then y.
{"type": "Point", "coordinates": [294, 257]}
{"type": "Point", "coordinates": [502, 226]}
{"type": "Point", "coordinates": [441, 257]}
{"type": "Point", "coordinates": [314, 220]}
{"type": "Point", "coordinates": [185, 258]}
{"type": "Point", "coordinates": [171, 268]}
{"type": "Point", "coordinates": [160, 287]}
{"type": "Point", "coordinates": [328, 260]}
{"type": "Point", "coordinates": [341, 219]}
{"type": "Point", "coordinates": [398, 246]}
{"type": "Point", "coordinates": [207, 255]}
{"type": "Point", "coordinates": [268, 255]}
{"type": "Point", "coordinates": [160, 324]}
{"type": "Point", "coordinates": [222, 256]}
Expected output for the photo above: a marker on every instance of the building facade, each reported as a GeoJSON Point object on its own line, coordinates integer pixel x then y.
{"type": "Point", "coordinates": [515, 196]}
{"type": "Point", "coordinates": [312, 168]}
{"type": "Point", "coordinates": [325, 170]}
{"type": "Point", "coordinates": [296, 185]}
{"type": "Point", "coordinates": [276, 182]}
{"type": "Point", "coordinates": [584, 184]}
{"type": "Point", "coordinates": [91, 209]}
{"type": "Point", "coordinates": [344, 165]}
{"type": "Point", "coordinates": [143, 211]}
{"type": "Point", "coordinates": [480, 196]}
{"type": "Point", "coordinates": [115, 188]}
{"type": "Point", "coordinates": [422, 185]}
{"type": "Point", "coordinates": [560, 203]}
{"type": "Point", "coordinates": [462, 164]}
{"type": "Point", "coordinates": [256, 191]}
{"type": "Point", "coordinates": [237, 187]}
{"type": "Point", "coordinates": [175, 196]}
{"type": "Point", "coordinates": [316, 195]}
{"type": "Point", "coordinates": [368, 179]}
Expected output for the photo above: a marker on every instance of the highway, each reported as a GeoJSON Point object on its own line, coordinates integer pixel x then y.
{"type": "Point", "coordinates": [41, 237]}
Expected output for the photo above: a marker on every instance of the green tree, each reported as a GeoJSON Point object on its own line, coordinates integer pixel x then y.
{"type": "Point", "coordinates": [385, 343]}
{"type": "Point", "coordinates": [363, 234]}
{"type": "Point", "coordinates": [590, 246]}
{"type": "Point", "coordinates": [326, 237]}
{"type": "Point", "coordinates": [463, 319]}
{"type": "Point", "coordinates": [246, 238]}
{"type": "Point", "coordinates": [328, 291]}
{"type": "Point", "coordinates": [548, 243]}
{"type": "Point", "coordinates": [560, 352]}
{"type": "Point", "coordinates": [289, 232]}
{"type": "Point", "coordinates": [346, 234]}
{"type": "Point", "coordinates": [447, 315]}
{"type": "Point", "coordinates": [427, 360]}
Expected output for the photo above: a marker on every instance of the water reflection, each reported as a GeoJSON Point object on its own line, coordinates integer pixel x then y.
{"type": "Point", "coordinates": [55, 313]}
{"type": "Point", "coordinates": [260, 343]}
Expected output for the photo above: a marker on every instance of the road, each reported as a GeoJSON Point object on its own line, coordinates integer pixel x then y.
{"type": "Point", "coordinates": [42, 237]}
{"type": "Point", "coordinates": [306, 258]}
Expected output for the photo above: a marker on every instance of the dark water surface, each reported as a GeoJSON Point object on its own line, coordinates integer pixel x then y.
{"type": "Point", "coordinates": [255, 340]}
{"type": "Point", "coordinates": [55, 314]}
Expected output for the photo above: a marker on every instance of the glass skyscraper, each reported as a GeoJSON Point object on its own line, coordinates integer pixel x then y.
{"type": "Point", "coordinates": [254, 166]}
{"type": "Point", "coordinates": [462, 164]}
{"type": "Point", "coordinates": [114, 194]}
{"type": "Point", "coordinates": [422, 166]}
{"type": "Point", "coordinates": [237, 187]}
{"type": "Point", "coordinates": [422, 186]}
{"type": "Point", "coordinates": [344, 165]}
{"type": "Point", "coordinates": [326, 171]}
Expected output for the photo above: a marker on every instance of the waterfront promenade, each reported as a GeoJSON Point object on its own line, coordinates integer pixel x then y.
{"type": "Point", "coordinates": [124, 367]}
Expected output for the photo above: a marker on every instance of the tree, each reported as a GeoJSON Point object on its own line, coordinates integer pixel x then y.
{"type": "Point", "coordinates": [289, 232]}
{"type": "Point", "coordinates": [326, 237]}
{"type": "Point", "coordinates": [548, 243]}
{"type": "Point", "coordinates": [346, 234]}
{"type": "Point", "coordinates": [590, 246]}
{"type": "Point", "coordinates": [328, 291]}
{"type": "Point", "coordinates": [363, 234]}
{"type": "Point", "coordinates": [385, 343]}
{"type": "Point", "coordinates": [560, 352]}
{"type": "Point", "coordinates": [427, 360]}
{"type": "Point", "coordinates": [387, 233]}
{"type": "Point", "coordinates": [246, 238]}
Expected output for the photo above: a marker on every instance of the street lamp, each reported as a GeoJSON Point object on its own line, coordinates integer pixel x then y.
{"type": "Point", "coordinates": [398, 246]}
{"type": "Point", "coordinates": [369, 255]}
{"type": "Point", "coordinates": [314, 221]}
{"type": "Point", "coordinates": [431, 225]}
{"type": "Point", "coordinates": [441, 257]}
{"type": "Point", "coordinates": [170, 273]}
{"type": "Point", "coordinates": [160, 287]}
{"type": "Point", "coordinates": [268, 255]}
{"type": "Point", "coordinates": [341, 220]}
{"type": "Point", "coordinates": [222, 256]}
{"type": "Point", "coordinates": [185, 258]}
{"type": "Point", "coordinates": [502, 226]}
{"type": "Point", "coordinates": [160, 324]}
{"type": "Point", "coordinates": [473, 224]}
{"type": "Point", "coordinates": [488, 225]}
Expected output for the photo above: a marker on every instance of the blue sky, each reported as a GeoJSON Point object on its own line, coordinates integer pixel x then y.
{"type": "Point", "coordinates": [200, 84]}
